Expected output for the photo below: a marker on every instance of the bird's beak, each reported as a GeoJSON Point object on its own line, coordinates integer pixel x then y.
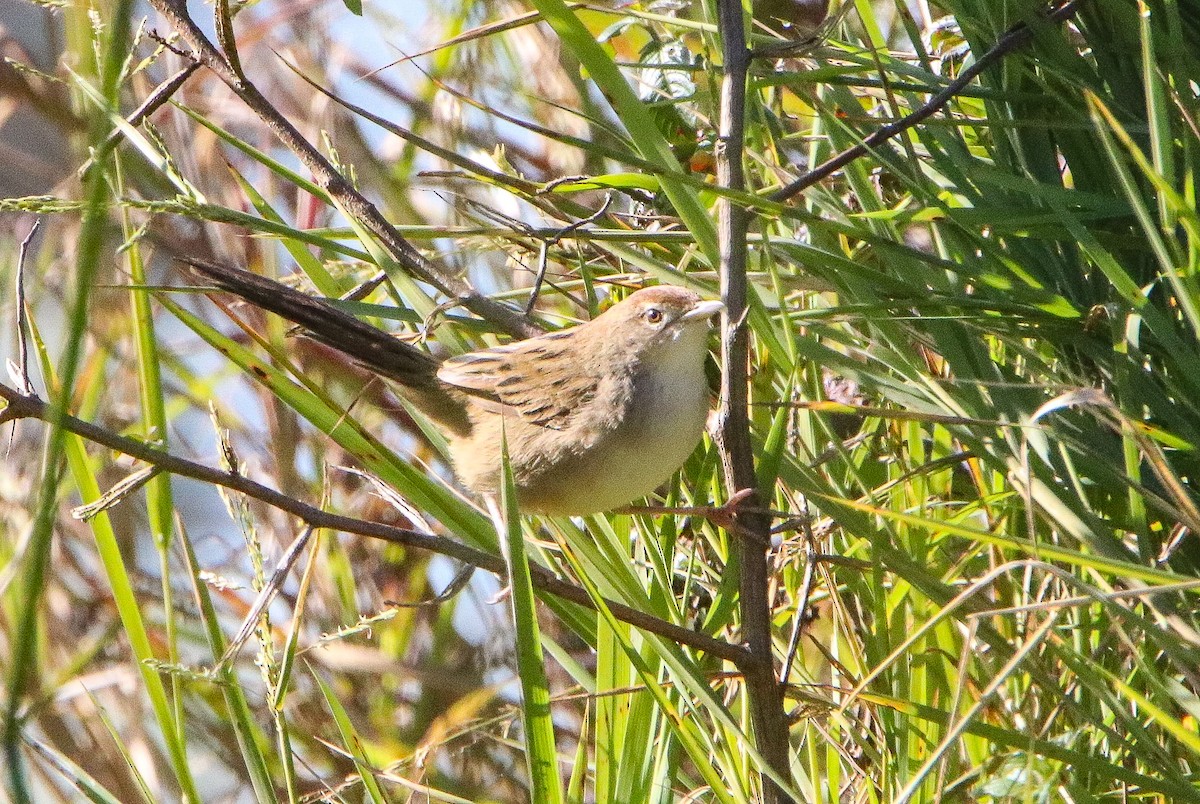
{"type": "Point", "coordinates": [703, 311]}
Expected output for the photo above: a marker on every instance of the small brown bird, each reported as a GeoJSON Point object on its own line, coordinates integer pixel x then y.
{"type": "Point", "coordinates": [595, 416]}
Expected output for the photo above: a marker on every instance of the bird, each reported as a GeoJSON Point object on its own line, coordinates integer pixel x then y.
{"type": "Point", "coordinates": [594, 416]}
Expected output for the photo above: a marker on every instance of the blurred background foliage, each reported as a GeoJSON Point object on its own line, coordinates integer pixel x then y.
{"type": "Point", "coordinates": [975, 383]}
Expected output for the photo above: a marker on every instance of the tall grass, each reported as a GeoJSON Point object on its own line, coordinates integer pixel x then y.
{"type": "Point", "coordinates": [975, 366]}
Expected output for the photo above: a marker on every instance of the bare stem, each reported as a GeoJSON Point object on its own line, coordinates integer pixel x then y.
{"type": "Point", "coordinates": [752, 536]}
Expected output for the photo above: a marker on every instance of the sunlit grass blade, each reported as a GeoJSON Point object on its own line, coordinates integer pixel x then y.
{"type": "Point", "coordinates": [245, 729]}
{"type": "Point", "coordinates": [541, 753]}
{"type": "Point", "coordinates": [642, 129]}
{"type": "Point", "coordinates": [351, 743]}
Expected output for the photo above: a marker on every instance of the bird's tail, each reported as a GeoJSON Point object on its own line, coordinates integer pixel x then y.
{"type": "Point", "coordinates": [372, 348]}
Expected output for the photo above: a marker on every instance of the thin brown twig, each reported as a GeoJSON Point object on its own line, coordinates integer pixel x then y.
{"type": "Point", "coordinates": [22, 312]}
{"type": "Point", "coordinates": [546, 243]}
{"type": "Point", "coordinates": [1015, 37]}
{"type": "Point", "coordinates": [22, 406]}
{"type": "Point", "coordinates": [154, 101]}
{"type": "Point", "coordinates": [349, 199]}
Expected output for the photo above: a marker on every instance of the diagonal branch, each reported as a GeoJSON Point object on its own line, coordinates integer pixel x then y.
{"type": "Point", "coordinates": [1015, 37]}
{"type": "Point", "coordinates": [352, 202]}
{"type": "Point", "coordinates": [21, 406]}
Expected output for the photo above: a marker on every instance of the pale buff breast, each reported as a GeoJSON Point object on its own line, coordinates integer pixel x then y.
{"type": "Point", "coordinates": [611, 465]}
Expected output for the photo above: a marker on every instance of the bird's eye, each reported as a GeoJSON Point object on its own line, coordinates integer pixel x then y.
{"type": "Point", "coordinates": [653, 315]}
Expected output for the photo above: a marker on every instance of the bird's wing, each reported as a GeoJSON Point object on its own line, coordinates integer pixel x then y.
{"type": "Point", "coordinates": [547, 389]}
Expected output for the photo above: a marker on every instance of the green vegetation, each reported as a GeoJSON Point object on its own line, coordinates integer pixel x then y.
{"type": "Point", "coordinates": [975, 376]}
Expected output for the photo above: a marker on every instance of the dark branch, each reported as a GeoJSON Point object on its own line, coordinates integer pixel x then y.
{"type": "Point", "coordinates": [154, 101]}
{"type": "Point", "coordinates": [352, 202]}
{"type": "Point", "coordinates": [752, 534]}
{"type": "Point", "coordinates": [1015, 37]}
{"type": "Point", "coordinates": [21, 406]}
